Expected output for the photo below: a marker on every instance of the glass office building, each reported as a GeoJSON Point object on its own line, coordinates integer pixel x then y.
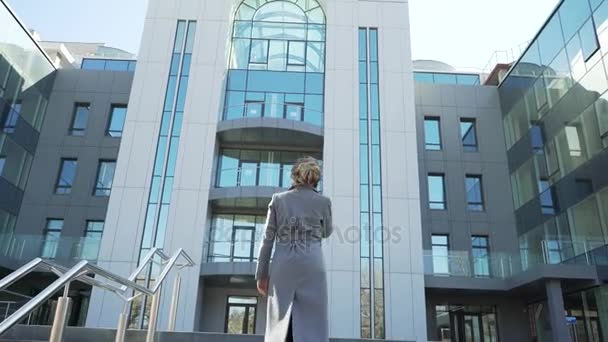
{"type": "Point", "coordinates": [25, 81]}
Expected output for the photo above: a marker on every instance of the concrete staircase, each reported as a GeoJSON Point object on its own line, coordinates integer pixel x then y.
{"type": "Point", "coordinates": [32, 333]}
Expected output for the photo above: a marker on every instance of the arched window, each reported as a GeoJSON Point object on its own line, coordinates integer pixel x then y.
{"type": "Point", "coordinates": [277, 61]}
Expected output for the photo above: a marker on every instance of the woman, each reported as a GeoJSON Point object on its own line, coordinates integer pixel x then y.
{"type": "Point", "coordinates": [296, 284]}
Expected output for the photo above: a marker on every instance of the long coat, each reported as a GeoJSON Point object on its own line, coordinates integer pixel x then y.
{"type": "Point", "coordinates": [297, 221]}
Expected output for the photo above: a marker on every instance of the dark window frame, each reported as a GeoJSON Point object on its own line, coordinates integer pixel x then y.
{"type": "Point", "coordinates": [101, 191]}
{"type": "Point", "coordinates": [79, 132]}
{"type": "Point", "coordinates": [109, 132]}
{"type": "Point", "coordinates": [444, 194]}
{"type": "Point", "coordinates": [48, 230]}
{"type": "Point", "coordinates": [475, 206]}
{"type": "Point", "coordinates": [426, 143]}
{"type": "Point", "coordinates": [65, 189]}
{"type": "Point", "coordinates": [247, 308]}
{"type": "Point", "coordinates": [465, 146]}
{"type": "Point", "coordinates": [486, 249]}
{"type": "Point", "coordinates": [288, 63]}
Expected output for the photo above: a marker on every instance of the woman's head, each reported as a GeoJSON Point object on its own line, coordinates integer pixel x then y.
{"type": "Point", "coordinates": [306, 171]}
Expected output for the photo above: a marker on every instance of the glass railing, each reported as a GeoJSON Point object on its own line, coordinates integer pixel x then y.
{"type": "Point", "coordinates": [237, 250]}
{"type": "Point", "coordinates": [463, 264]}
{"type": "Point", "coordinates": [246, 176]}
{"type": "Point", "coordinates": [277, 110]}
{"type": "Point", "coordinates": [502, 265]}
{"type": "Point", "coordinates": [108, 64]}
{"type": "Point", "coordinates": [16, 248]}
{"type": "Point", "coordinates": [586, 252]}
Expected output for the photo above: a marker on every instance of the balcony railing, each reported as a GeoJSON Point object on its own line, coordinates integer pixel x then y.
{"type": "Point", "coordinates": [238, 250]}
{"type": "Point", "coordinates": [463, 264]}
{"type": "Point", "coordinates": [17, 248]}
{"type": "Point", "coordinates": [587, 252]}
{"type": "Point", "coordinates": [276, 110]}
{"type": "Point", "coordinates": [274, 176]}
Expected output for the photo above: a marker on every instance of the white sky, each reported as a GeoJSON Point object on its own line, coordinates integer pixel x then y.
{"type": "Point", "coordinates": [463, 33]}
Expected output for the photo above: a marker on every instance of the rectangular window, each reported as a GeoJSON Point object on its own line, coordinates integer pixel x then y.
{"type": "Point", "coordinates": [293, 111]}
{"type": "Point", "coordinates": [89, 247]}
{"type": "Point", "coordinates": [65, 178]}
{"type": "Point", "coordinates": [481, 258]}
{"type": "Point", "coordinates": [118, 113]}
{"type": "Point", "coordinates": [468, 134]}
{"type": "Point", "coordinates": [474, 191]}
{"type": "Point", "coordinates": [254, 109]}
{"type": "Point", "coordinates": [2, 162]}
{"type": "Point", "coordinates": [52, 235]}
{"type": "Point", "coordinates": [9, 124]}
{"type": "Point", "coordinates": [80, 119]}
{"type": "Point", "coordinates": [546, 197]}
{"type": "Point", "coordinates": [440, 249]}
{"type": "Point", "coordinates": [432, 134]}
{"type": "Point", "coordinates": [296, 53]}
{"type": "Point", "coordinates": [436, 187]}
{"type": "Point", "coordinates": [259, 52]}
{"type": "Point", "coordinates": [105, 175]}
{"type": "Point", "coordinates": [240, 315]}
{"type": "Point", "coordinates": [536, 139]}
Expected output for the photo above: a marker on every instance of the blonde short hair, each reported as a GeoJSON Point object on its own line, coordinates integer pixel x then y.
{"type": "Point", "coordinates": [306, 171]}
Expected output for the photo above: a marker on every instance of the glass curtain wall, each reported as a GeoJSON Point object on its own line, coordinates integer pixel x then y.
{"type": "Point", "coordinates": [235, 237]}
{"type": "Point", "coordinates": [26, 77]}
{"type": "Point", "coordinates": [372, 234]}
{"type": "Point", "coordinates": [555, 112]}
{"type": "Point", "coordinates": [277, 62]}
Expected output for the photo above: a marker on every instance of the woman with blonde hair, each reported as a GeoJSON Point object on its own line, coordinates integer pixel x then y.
{"type": "Point", "coordinates": [295, 283]}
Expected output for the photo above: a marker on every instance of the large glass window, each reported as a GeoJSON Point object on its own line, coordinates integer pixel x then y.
{"type": "Point", "coordinates": [481, 257]}
{"type": "Point", "coordinates": [80, 119]}
{"type": "Point", "coordinates": [52, 235]}
{"type": "Point", "coordinates": [105, 175]}
{"type": "Point", "coordinates": [240, 315]}
{"type": "Point", "coordinates": [546, 197]}
{"type": "Point", "coordinates": [89, 247]}
{"type": "Point", "coordinates": [466, 323]}
{"type": "Point", "coordinates": [436, 190]}
{"type": "Point", "coordinates": [440, 247]}
{"type": "Point", "coordinates": [65, 178]}
{"type": "Point", "coordinates": [10, 118]}
{"type": "Point", "coordinates": [432, 133]}
{"type": "Point", "coordinates": [15, 161]}
{"type": "Point", "coordinates": [118, 113]}
{"type": "Point", "coordinates": [277, 61]}
{"type": "Point", "coordinates": [474, 192]}
{"type": "Point", "coordinates": [468, 133]}
{"type": "Point", "coordinates": [235, 238]}
{"type": "Point", "coordinates": [257, 167]}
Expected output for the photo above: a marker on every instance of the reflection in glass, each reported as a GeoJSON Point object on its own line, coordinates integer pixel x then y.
{"type": "Point", "coordinates": [65, 179]}
{"type": "Point", "coordinates": [436, 191]}
{"type": "Point", "coordinates": [118, 114]}
{"type": "Point", "coordinates": [240, 315]}
{"type": "Point", "coordinates": [440, 249]}
{"type": "Point", "coordinates": [432, 134]}
{"type": "Point", "coordinates": [468, 134]}
{"type": "Point", "coordinates": [80, 119]}
{"type": "Point", "coordinates": [474, 193]}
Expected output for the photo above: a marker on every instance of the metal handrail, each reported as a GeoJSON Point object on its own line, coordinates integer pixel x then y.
{"type": "Point", "coordinates": [81, 272]}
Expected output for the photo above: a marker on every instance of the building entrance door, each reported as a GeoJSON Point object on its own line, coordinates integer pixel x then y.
{"type": "Point", "coordinates": [467, 327]}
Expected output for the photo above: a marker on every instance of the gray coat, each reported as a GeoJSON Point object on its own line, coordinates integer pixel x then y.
{"type": "Point", "coordinates": [297, 221]}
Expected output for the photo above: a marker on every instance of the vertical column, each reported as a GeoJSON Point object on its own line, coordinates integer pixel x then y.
{"type": "Point", "coordinates": [555, 300]}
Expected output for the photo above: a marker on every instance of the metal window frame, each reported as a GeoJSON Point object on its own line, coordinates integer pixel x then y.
{"type": "Point", "coordinates": [482, 203]}
{"type": "Point", "coordinates": [97, 188]}
{"type": "Point", "coordinates": [109, 131]}
{"type": "Point", "coordinates": [247, 307]}
{"type": "Point", "coordinates": [444, 194]}
{"type": "Point", "coordinates": [83, 130]}
{"type": "Point", "coordinates": [426, 143]}
{"type": "Point", "coordinates": [65, 189]}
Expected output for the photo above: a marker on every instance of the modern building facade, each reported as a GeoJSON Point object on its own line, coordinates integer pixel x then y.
{"type": "Point", "coordinates": [467, 207]}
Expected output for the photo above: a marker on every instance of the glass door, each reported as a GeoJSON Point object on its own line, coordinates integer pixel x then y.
{"type": "Point", "coordinates": [467, 327]}
{"type": "Point", "coordinates": [242, 243]}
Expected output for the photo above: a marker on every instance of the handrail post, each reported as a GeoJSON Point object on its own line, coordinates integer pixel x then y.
{"type": "Point", "coordinates": [174, 301]}
{"type": "Point", "coordinates": [61, 314]}
{"type": "Point", "coordinates": [121, 329]}
{"type": "Point", "coordinates": [152, 322]}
